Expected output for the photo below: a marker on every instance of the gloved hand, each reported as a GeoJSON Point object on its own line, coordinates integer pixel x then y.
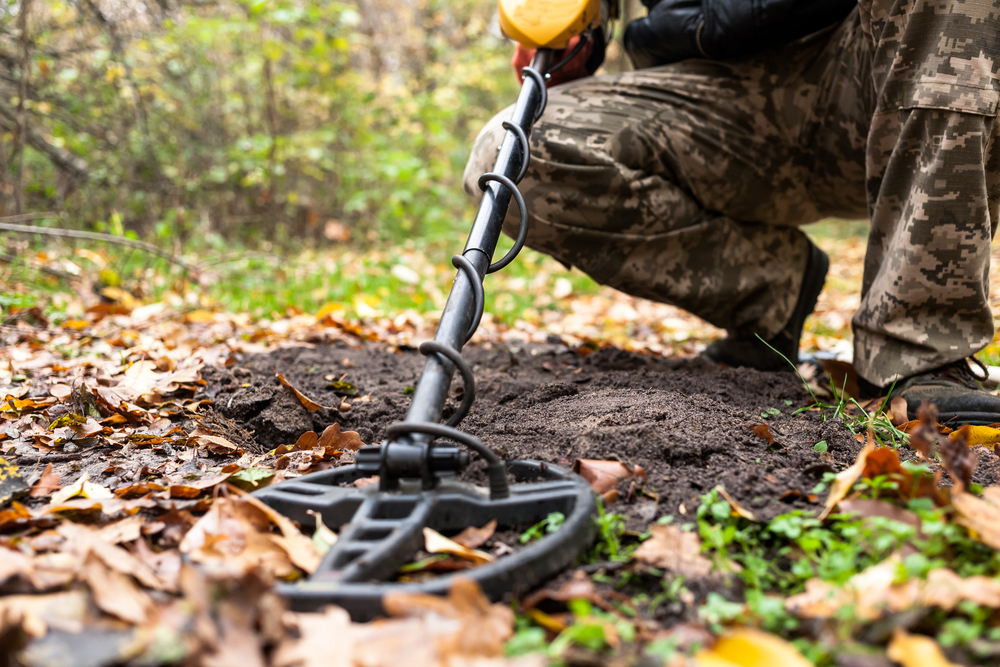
{"type": "Point", "coordinates": [585, 63]}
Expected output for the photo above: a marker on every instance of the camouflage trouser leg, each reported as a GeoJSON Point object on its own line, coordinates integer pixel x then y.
{"type": "Point", "coordinates": [685, 183]}
{"type": "Point", "coordinates": [933, 186]}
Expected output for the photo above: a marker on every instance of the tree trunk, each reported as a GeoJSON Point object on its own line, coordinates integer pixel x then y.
{"type": "Point", "coordinates": [22, 116]}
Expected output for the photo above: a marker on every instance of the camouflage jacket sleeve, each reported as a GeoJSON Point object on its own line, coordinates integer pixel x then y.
{"type": "Point", "coordinates": [719, 29]}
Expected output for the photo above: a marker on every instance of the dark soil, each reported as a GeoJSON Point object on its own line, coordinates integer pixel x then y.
{"type": "Point", "coordinates": [685, 421]}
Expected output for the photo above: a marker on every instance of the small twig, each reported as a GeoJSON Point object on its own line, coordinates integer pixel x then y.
{"type": "Point", "coordinates": [48, 458]}
{"type": "Point", "coordinates": [97, 236]}
{"type": "Point", "coordinates": [11, 259]}
{"type": "Point", "coordinates": [26, 217]}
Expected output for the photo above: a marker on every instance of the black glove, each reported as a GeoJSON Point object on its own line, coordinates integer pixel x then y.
{"type": "Point", "coordinates": [720, 29]}
{"type": "Point", "coordinates": [668, 34]}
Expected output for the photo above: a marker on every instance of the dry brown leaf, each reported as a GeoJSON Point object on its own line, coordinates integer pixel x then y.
{"type": "Point", "coordinates": [216, 443]}
{"type": "Point", "coordinates": [332, 438]}
{"type": "Point", "coordinates": [737, 508]}
{"type": "Point", "coordinates": [945, 589]}
{"type": "Point", "coordinates": [473, 538]}
{"type": "Point", "coordinates": [763, 431]}
{"type": "Point", "coordinates": [604, 476]}
{"type": "Point", "coordinates": [466, 626]}
{"type": "Point", "coordinates": [37, 614]}
{"type": "Point", "coordinates": [873, 593]}
{"type": "Point", "coordinates": [61, 391]}
{"type": "Point", "coordinates": [915, 651]}
{"type": "Point", "coordinates": [235, 535]}
{"type": "Point", "coordinates": [750, 647]}
{"type": "Point", "coordinates": [47, 484]}
{"type": "Point", "coordinates": [306, 402]}
{"type": "Point", "coordinates": [670, 548]}
{"type": "Point", "coordinates": [309, 646]}
{"type": "Point", "coordinates": [301, 549]}
{"type": "Point", "coordinates": [897, 411]}
{"type": "Point", "coordinates": [843, 376]}
{"type": "Point", "coordinates": [436, 543]}
{"type": "Point", "coordinates": [126, 530]}
{"type": "Point", "coordinates": [115, 593]}
{"type": "Point", "coordinates": [846, 478]}
{"type": "Point", "coordinates": [307, 440]}
{"type": "Point", "coordinates": [980, 515]}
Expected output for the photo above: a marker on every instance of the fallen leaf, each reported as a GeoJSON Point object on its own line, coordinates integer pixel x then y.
{"type": "Point", "coordinates": [436, 543]}
{"type": "Point", "coordinates": [945, 589]}
{"type": "Point", "coordinates": [37, 614]}
{"type": "Point", "coordinates": [235, 534]}
{"type": "Point", "coordinates": [604, 476]}
{"type": "Point", "coordinates": [843, 376]}
{"type": "Point", "coordinates": [977, 435]}
{"type": "Point", "coordinates": [749, 647]}
{"type": "Point", "coordinates": [81, 487]}
{"type": "Point", "coordinates": [737, 508]}
{"type": "Point", "coordinates": [473, 538]}
{"type": "Point", "coordinates": [875, 591]}
{"type": "Point", "coordinates": [115, 593]}
{"type": "Point", "coordinates": [897, 411]}
{"type": "Point", "coordinates": [915, 651]}
{"type": "Point", "coordinates": [333, 438]}
{"type": "Point", "coordinates": [483, 627]}
{"type": "Point", "coordinates": [216, 444]}
{"type": "Point", "coordinates": [307, 440]}
{"type": "Point", "coordinates": [306, 402]}
{"type": "Point", "coordinates": [60, 391]}
{"type": "Point", "coordinates": [846, 478]}
{"type": "Point", "coordinates": [763, 431]}
{"type": "Point", "coordinates": [126, 530]}
{"type": "Point", "coordinates": [670, 548]}
{"type": "Point", "coordinates": [47, 484]}
{"type": "Point", "coordinates": [980, 515]}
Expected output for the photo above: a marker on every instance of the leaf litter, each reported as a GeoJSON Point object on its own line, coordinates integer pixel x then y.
{"type": "Point", "coordinates": [134, 455]}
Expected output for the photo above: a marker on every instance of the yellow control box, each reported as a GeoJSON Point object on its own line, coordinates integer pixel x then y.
{"type": "Point", "coordinates": [547, 24]}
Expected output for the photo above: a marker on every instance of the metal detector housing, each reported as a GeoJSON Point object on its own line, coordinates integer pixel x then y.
{"type": "Point", "coordinates": [382, 528]}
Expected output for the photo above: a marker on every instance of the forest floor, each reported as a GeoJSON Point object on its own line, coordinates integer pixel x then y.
{"type": "Point", "coordinates": [742, 513]}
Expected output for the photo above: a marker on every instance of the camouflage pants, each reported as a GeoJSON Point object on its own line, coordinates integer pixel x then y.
{"type": "Point", "coordinates": [686, 184]}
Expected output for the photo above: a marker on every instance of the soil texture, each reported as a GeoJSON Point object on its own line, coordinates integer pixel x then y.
{"type": "Point", "coordinates": [687, 422]}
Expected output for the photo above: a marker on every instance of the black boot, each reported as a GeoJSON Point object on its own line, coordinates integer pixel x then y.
{"type": "Point", "coordinates": [953, 389]}
{"type": "Point", "coordinates": [751, 352]}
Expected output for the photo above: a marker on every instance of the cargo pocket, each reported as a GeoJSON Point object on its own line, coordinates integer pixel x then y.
{"type": "Point", "coordinates": [940, 93]}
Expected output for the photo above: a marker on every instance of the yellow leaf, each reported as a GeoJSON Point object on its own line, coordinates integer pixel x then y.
{"type": "Point", "coordinates": [916, 651]}
{"type": "Point", "coordinates": [199, 317]}
{"type": "Point", "coordinates": [748, 647]}
{"type": "Point", "coordinates": [330, 308]}
{"type": "Point", "coordinates": [436, 543]}
{"type": "Point", "coordinates": [978, 435]}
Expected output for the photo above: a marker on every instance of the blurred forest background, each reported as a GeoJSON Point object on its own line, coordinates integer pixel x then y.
{"type": "Point", "coordinates": [277, 156]}
{"type": "Point", "coordinates": [248, 120]}
{"type": "Point", "coordinates": [292, 152]}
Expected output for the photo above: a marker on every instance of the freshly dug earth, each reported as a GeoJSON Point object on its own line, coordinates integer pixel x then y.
{"type": "Point", "coordinates": [687, 422]}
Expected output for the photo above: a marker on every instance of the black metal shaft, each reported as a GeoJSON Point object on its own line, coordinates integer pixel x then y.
{"type": "Point", "coordinates": [460, 310]}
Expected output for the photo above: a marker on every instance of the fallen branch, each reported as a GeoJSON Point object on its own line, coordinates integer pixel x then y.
{"type": "Point", "coordinates": [97, 236]}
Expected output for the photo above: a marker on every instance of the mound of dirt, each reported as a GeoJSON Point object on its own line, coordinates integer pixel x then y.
{"type": "Point", "coordinates": [687, 422]}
